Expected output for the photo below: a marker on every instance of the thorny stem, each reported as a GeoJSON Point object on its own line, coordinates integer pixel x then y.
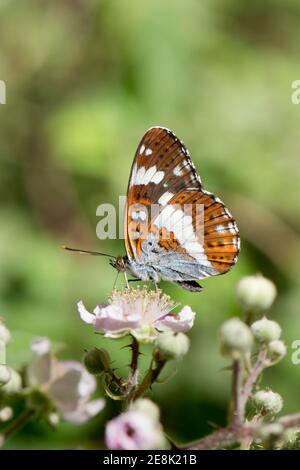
{"type": "Point", "coordinates": [237, 414]}
{"type": "Point", "coordinates": [238, 430]}
{"type": "Point", "coordinates": [17, 425]}
{"type": "Point", "coordinates": [220, 438]}
{"type": "Point", "coordinates": [253, 376]}
{"type": "Point", "coordinates": [150, 377]}
{"type": "Point", "coordinates": [247, 441]}
{"type": "Point", "coordinates": [115, 379]}
{"type": "Point", "coordinates": [230, 435]}
{"type": "Point", "coordinates": [133, 376]}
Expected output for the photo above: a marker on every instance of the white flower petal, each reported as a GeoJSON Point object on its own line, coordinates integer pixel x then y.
{"type": "Point", "coordinates": [39, 370]}
{"type": "Point", "coordinates": [40, 346]}
{"type": "Point", "coordinates": [73, 386]}
{"type": "Point", "coordinates": [181, 322]}
{"type": "Point", "coordinates": [85, 315]}
{"type": "Point", "coordinates": [85, 412]}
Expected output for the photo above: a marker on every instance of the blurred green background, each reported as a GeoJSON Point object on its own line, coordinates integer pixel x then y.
{"type": "Point", "coordinates": [85, 79]}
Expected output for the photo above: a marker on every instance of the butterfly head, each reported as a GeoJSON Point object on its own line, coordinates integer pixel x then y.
{"type": "Point", "coordinates": [119, 263]}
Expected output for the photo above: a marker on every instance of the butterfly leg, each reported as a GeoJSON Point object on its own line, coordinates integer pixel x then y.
{"type": "Point", "coordinates": [115, 283]}
{"type": "Point", "coordinates": [126, 280]}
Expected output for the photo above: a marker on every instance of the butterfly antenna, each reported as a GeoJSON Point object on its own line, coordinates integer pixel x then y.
{"type": "Point", "coordinates": [85, 252]}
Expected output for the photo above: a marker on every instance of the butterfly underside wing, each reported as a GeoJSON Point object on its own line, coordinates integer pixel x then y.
{"type": "Point", "coordinates": [175, 230]}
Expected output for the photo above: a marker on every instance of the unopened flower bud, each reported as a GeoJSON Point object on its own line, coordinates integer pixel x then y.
{"type": "Point", "coordinates": [265, 330]}
{"type": "Point", "coordinates": [53, 419]}
{"type": "Point", "coordinates": [6, 414]}
{"type": "Point", "coordinates": [147, 407]}
{"type": "Point", "coordinates": [236, 337]}
{"type": "Point", "coordinates": [5, 374]}
{"type": "Point", "coordinates": [276, 351]}
{"type": "Point", "coordinates": [256, 292]}
{"type": "Point", "coordinates": [268, 402]}
{"type": "Point", "coordinates": [96, 361]}
{"type": "Point", "coordinates": [172, 346]}
{"type": "Point", "coordinates": [290, 439]}
{"type": "Point", "coordinates": [270, 432]}
{"type": "Point", "coordinates": [4, 333]}
{"type": "Point", "coordinates": [14, 384]}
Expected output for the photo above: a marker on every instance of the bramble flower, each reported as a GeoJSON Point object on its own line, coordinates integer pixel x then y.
{"type": "Point", "coordinates": [137, 429]}
{"type": "Point", "coordinates": [140, 312]}
{"type": "Point", "coordinates": [66, 383]}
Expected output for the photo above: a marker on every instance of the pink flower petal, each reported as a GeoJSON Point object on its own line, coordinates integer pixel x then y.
{"type": "Point", "coordinates": [85, 315]}
{"type": "Point", "coordinates": [181, 322]}
{"type": "Point", "coordinates": [133, 430]}
{"type": "Point", "coordinates": [39, 369]}
{"type": "Point", "coordinates": [111, 319]}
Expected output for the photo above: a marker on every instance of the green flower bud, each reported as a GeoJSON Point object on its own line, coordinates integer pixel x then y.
{"type": "Point", "coordinates": [236, 337]}
{"type": "Point", "coordinates": [290, 439]}
{"type": "Point", "coordinates": [256, 292]}
{"type": "Point", "coordinates": [265, 330]}
{"type": "Point", "coordinates": [4, 333]}
{"type": "Point", "coordinates": [53, 419]}
{"type": "Point", "coordinates": [96, 361]}
{"type": "Point", "coordinates": [270, 432]}
{"type": "Point", "coordinates": [147, 407]}
{"type": "Point", "coordinates": [276, 351]}
{"type": "Point", "coordinates": [14, 384]}
{"type": "Point", "coordinates": [268, 402]}
{"type": "Point", "coordinates": [5, 375]}
{"type": "Point", "coordinates": [172, 346]}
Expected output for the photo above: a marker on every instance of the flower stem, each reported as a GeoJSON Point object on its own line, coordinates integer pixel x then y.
{"type": "Point", "coordinates": [150, 377]}
{"type": "Point", "coordinates": [132, 382]}
{"type": "Point", "coordinates": [253, 376]}
{"type": "Point", "coordinates": [133, 377]}
{"type": "Point", "coordinates": [18, 424]}
{"type": "Point", "coordinates": [231, 434]}
{"type": "Point", "coordinates": [237, 415]}
{"type": "Point", "coordinates": [239, 430]}
{"type": "Point", "coordinates": [247, 441]}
